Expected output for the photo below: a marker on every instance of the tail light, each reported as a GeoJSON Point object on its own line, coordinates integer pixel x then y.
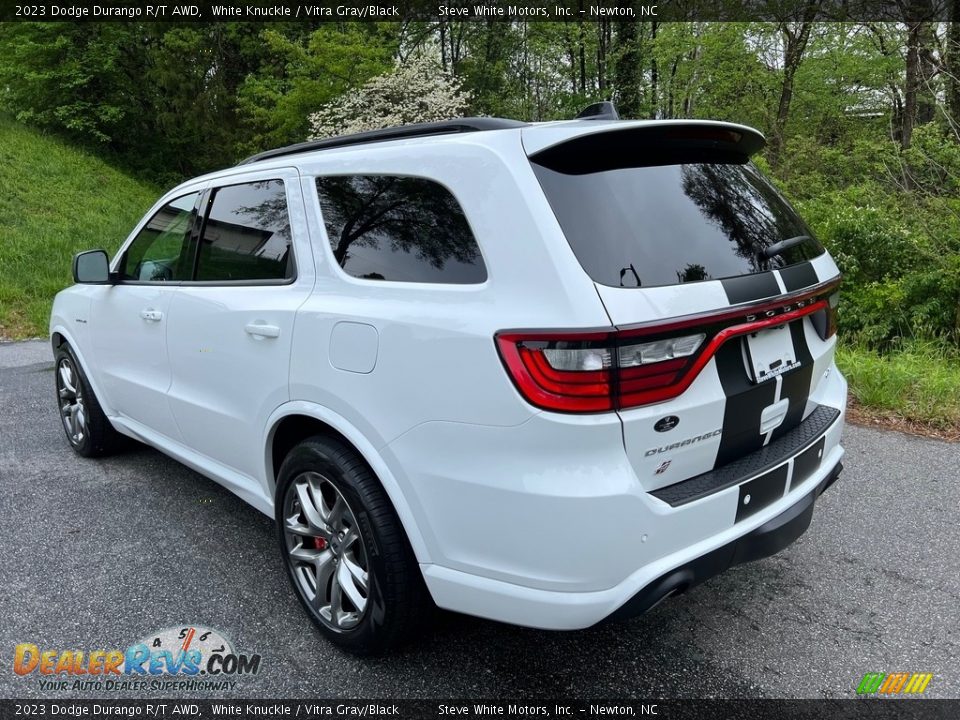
{"type": "Point", "coordinates": [570, 372]}
{"type": "Point", "coordinates": [825, 321]}
{"type": "Point", "coordinates": [611, 369]}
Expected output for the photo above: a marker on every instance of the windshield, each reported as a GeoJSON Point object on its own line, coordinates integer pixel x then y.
{"type": "Point", "coordinates": [670, 224]}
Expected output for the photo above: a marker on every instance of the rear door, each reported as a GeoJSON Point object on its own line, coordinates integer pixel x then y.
{"type": "Point", "coordinates": [686, 239]}
{"type": "Point", "coordinates": [231, 326]}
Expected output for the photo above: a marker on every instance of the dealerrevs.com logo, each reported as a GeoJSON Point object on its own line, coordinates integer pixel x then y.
{"type": "Point", "coordinates": [188, 658]}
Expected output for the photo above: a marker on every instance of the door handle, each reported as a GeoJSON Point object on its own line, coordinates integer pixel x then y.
{"type": "Point", "coordinates": [151, 315]}
{"type": "Point", "coordinates": [262, 330]}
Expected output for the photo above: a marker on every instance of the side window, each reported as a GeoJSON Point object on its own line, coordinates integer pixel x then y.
{"type": "Point", "coordinates": [386, 227]}
{"type": "Point", "coordinates": [246, 235]}
{"type": "Point", "coordinates": [160, 251]}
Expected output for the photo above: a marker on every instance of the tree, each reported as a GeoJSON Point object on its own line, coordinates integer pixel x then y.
{"type": "Point", "coordinates": [301, 72]}
{"type": "Point", "coordinates": [415, 91]}
{"type": "Point", "coordinates": [76, 79]}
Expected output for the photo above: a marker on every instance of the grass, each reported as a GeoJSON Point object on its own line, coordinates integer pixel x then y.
{"type": "Point", "coordinates": [918, 385]}
{"type": "Point", "coordinates": [54, 201]}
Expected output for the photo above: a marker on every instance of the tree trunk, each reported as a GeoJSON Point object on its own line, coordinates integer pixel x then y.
{"type": "Point", "coordinates": [953, 66]}
{"type": "Point", "coordinates": [442, 28]}
{"type": "Point", "coordinates": [603, 41]}
{"type": "Point", "coordinates": [918, 98]}
{"type": "Point", "coordinates": [582, 53]}
{"type": "Point", "coordinates": [654, 75]}
{"type": "Point", "coordinates": [628, 71]}
{"type": "Point", "coordinates": [911, 85]}
{"type": "Point", "coordinates": [671, 112]}
{"type": "Point", "coordinates": [795, 37]}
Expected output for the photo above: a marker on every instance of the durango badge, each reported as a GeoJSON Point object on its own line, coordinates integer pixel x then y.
{"type": "Point", "coordinates": [682, 443]}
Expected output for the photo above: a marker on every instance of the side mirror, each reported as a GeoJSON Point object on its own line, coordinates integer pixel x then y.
{"type": "Point", "coordinates": [91, 267]}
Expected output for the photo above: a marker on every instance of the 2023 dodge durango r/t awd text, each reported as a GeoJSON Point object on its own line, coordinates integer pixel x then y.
{"type": "Point", "coordinates": [547, 374]}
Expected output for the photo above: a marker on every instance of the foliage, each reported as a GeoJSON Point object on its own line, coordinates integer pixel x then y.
{"type": "Point", "coordinates": [303, 74]}
{"type": "Point", "coordinates": [413, 92]}
{"type": "Point", "coordinates": [899, 249]}
{"type": "Point", "coordinates": [864, 118]}
{"type": "Point", "coordinates": [69, 77]}
{"type": "Point", "coordinates": [713, 70]}
{"type": "Point", "coordinates": [170, 101]}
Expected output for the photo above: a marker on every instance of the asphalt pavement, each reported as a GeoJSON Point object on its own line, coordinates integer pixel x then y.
{"type": "Point", "coordinates": [100, 553]}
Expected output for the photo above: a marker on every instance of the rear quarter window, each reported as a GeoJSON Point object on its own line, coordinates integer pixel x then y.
{"type": "Point", "coordinates": [405, 229]}
{"type": "Point", "coordinates": [668, 224]}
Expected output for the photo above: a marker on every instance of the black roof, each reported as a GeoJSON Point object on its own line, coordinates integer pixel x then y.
{"type": "Point", "coordinates": [445, 127]}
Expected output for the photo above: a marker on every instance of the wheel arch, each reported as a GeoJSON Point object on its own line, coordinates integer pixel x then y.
{"type": "Point", "coordinates": [298, 420]}
{"type": "Point", "coordinates": [60, 336]}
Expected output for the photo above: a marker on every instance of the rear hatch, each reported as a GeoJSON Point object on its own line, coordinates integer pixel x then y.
{"type": "Point", "coordinates": [722, 298]}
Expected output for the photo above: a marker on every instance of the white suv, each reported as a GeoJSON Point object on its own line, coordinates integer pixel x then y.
{"type": "Point", "coordinates": [547, 374]}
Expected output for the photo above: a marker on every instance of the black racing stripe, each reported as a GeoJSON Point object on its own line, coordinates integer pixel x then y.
{"type": "Point", "coordinates": [750, 287]}
{"type": "Point", "coordinates": [796, 383]}
{"type": "Point", "coordinates": [798, 277]}
{"type": "Point", "coordinates": [761, 492]}
{"type": "Point", "coordinates": [745, 403]}
{"type": "Point", "coordinates": [807, 462]}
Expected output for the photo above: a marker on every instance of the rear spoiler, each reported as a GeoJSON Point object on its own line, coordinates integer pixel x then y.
{"type": "Point", "coordinates": [611, 145]}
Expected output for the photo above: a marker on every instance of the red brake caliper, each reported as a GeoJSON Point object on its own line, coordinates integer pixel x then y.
{"type": "Point", "coordinates": [319, 543]}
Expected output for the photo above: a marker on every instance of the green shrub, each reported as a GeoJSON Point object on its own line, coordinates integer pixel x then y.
{"type": "Point", "coordinates": [868, 244]}
{"type": "Point", "coordinates": [933, 161]}
{"type": "Point", "coordinates": [923, 305]}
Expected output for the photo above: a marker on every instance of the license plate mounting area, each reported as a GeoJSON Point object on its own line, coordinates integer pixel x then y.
{"type": "Point", "coordinates": [769, 353]}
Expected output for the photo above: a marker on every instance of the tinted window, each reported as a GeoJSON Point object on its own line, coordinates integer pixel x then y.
{"type": "Point", "coordinates": [384, 227]}
{"type": "Point", "coordinates": [160, 251]}
{"type": "Point", "coordinates": [246, 235]}
{"type": "Point", "coordinates": [673, 224]}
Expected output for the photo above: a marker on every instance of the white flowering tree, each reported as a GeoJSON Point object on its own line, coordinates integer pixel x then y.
{"type": "Point", "coordinates": [415, 91]}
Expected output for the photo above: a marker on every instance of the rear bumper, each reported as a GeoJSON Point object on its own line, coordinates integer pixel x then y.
{"type": "Point", "coordinates": [557, 532]}
{"type": "Point", "coordinates": [553, 610]}
{"type": "Point", "coordinates": [764, 541]}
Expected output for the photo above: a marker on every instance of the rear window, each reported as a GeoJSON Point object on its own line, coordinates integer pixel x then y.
{"type": "Point", "coordinates": [246, 236]}
{"type": "Point", "coordinates": [670, 224]}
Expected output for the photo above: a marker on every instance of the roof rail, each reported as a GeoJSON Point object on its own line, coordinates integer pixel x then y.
{"type": "Point", "coordinates": [444, 127]}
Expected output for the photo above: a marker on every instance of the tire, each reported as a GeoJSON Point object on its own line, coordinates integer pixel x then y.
{"type": "Point", "coordinates": [87, 428]}
{"type": "Point", "coordinates": [335, 547]}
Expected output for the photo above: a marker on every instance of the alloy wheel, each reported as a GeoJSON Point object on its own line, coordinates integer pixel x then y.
{"type": "Point", "coordinates": [326, 551]}
{"type": "Point", "coordinates": [72, 411]}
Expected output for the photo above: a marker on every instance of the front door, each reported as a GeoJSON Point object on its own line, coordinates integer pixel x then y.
{"type": "Point", "coordinates": [129, 320]}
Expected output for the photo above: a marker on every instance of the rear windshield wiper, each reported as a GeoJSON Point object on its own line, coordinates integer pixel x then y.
{"type": "Point", "coordinates": [778, 247]}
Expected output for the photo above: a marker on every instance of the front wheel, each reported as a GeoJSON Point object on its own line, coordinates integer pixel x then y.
{"type": "Point", "coordinates": [345, 550]}
{"type": "Point", "coordinates": [86, 425]}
